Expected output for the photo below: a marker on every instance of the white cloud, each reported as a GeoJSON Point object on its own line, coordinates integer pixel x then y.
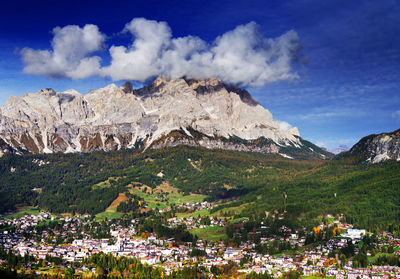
{"type": "Point", "coordinates": [320, 143]}
{"type": "Point", "coordinates": [334, 143]}
{"type": "Point", "coordinates": [241, 56]}
{"type": "Point", "coordinates": [396, 114]}
{"type": "Point", "coordinates": [141, 60]}
{"type": "Point", "coordinates": [329, 114]}
{"type": "Point", "coordinates": [70, 54]}
{"type": "Point", "coordinates": [283, 125]}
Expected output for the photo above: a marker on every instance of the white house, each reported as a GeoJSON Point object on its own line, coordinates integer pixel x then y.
{"type": "Point", "coordinates": [354, 233]}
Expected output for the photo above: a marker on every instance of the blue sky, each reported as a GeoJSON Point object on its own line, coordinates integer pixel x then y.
{"type": "Point", "coordinates": [348, 68]}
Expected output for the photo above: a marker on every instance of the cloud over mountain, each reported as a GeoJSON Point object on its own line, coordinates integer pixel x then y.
{"type": "Point", "coordinates": [70, 56]}
{"type": "Point", "coordinates": [284, 125]}
{"type": "Point", "coordinates": [241, 56]}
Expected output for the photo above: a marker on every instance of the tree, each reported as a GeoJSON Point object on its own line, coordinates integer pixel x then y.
{"type": "Point", "coordinates": [100, 270]}
{"type": "Point", "coordinates": [69, 272]}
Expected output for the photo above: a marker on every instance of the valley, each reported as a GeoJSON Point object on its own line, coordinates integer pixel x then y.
{"type": "Point", "coordinates": [237, 182]}
{"type": "Point", "coordinates": [174, 211]}
{"type": "Point", "coordinates": [194, 192]}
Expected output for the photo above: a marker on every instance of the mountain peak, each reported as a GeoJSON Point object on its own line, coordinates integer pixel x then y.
{"type": "Point", "coordinates": [294, 131]}
{"type": "Point", "coordinates": [111, 118]}
{"type": "Point", "coordinates": [111, 87]}
{"type": "Point", "coordinates": [340, 149]}
{"type": "Point", "coordinates": [195, 83]}
{"type": "Point", "coordinates": [127, 87]}
{"type": "Point", "coordinates": [47, 92]}
{"type": "Point", "coordinates": [159, 80]}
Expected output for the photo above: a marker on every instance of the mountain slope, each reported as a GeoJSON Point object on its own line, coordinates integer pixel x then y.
{"type": "Point", "coordinates": [376, 148]}
{"type": "Point", "coordinates": [112, 118]}
{"type": "Point", "coordinates": [367, 194]}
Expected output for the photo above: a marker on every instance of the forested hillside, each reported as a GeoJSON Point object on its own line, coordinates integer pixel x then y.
{"type": "Point", "coordinates": [368, 195]}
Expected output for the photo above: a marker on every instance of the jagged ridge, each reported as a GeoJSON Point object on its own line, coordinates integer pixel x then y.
{"type": "Point", "coordinates": [114, 117]}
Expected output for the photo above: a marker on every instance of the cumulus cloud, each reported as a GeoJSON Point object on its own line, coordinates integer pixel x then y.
{"type": "Point", "coordinates": [241, 56]}
{"type": "Point", "coordinates": [70, 56]}
{"type": "Point", "coordinates": [283, 125]}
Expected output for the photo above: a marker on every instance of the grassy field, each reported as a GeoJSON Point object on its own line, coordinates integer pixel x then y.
{"type": "Point", "coordinates": [153, 200]}
{"type": "Point", "coordinates": [373, 258]}
{"type": "Point", "coordinates": [108, 215]}
{"type": "Point", "coordinates": [111, 211]}
{"type": "Point", "coordinates": [164, 195]}
{"type": "Point", "coordinates": [192, 198]}
{"type": "Point", "coordinates": [230, 210]}
{"type": "Point", "coordinates": [236, 220]}
{"type": "Point", "coordinates": [157, 204]}
{"type": "Point", "coordinates": [203, 212]}
{"type": "Point", "coordinates": [28, 210]}
{"type": "Point", "coordinates": [105, 184]}
{"type": "Point", "coordinates": [160, 197]}
{"type": "Point", "coordinates": [210, 233]}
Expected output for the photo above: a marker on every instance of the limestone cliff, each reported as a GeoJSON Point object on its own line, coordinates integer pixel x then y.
{"type": "Point", "coordinates": [205, 113]}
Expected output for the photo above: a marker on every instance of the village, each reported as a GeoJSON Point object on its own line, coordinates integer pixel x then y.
{"type": "Point", "coordinates": [72, 242]}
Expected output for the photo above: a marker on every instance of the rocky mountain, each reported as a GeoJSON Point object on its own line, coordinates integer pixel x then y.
{"type": "Point", "coordinates": [167, 112]}
{"type": "Point", "coordinates": [378, 148]}
{"type": "Point", "coordinates": [340, 149]}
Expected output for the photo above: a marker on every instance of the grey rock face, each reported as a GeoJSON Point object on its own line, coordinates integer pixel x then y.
{"type": "Point", "coordinates": [379, 148]}
{"type": "Point", "coordinates": [112, 118]}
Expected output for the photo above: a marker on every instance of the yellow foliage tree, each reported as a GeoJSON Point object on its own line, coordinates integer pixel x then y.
{"type": "Point", "coordinates": [336, 231]}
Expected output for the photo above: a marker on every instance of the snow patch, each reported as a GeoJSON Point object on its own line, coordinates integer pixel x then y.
{"type": "Point", "coordinates": [287, 143]}
{"type": "Point", "coordinates": [70, 149]}
{"type": "Point", "coordinates": [77, 144]}
{"type": "Point", "coordinates": [151, 111]}
{"type": "Point", "coordinates": [103, 139]}
{"type": "Point", "coordinates": [381, 157]}
{"type": "Point", "coordinates": [187, 132]}
{"type": "Point", "coordinates": [296, 145]}
{"type": "Point", "coordinates": [45, 143]}
{"type": "Point", "coordinates": [285, 156]}
{"type": "Point", "coordinates": [146, 111]}
{"type": "Point", "coordinates": [280, 144]}
{"type": "Point", "coordinates": [118, 142]}
{"type": "Point", "coordinates": [210, 111]}
{"type": "Point", "coordinates": [47, 150]}
{"type": "Point", "coordinates": [131, 144]}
